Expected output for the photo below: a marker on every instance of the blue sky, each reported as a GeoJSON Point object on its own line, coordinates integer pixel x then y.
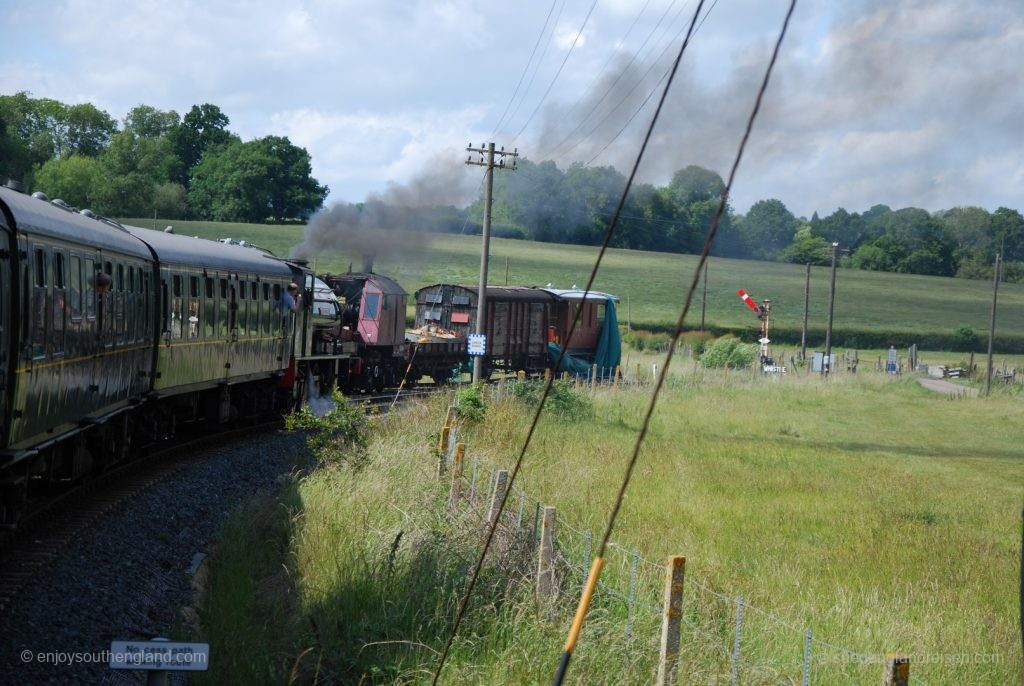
{"type": "Point", "coordinates": [912, 103]}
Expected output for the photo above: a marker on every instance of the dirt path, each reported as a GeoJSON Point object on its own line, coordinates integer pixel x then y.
{"type": "Point", "coordinates": [943, 386]}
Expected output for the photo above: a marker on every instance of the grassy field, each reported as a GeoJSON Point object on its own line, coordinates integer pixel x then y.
{"type": "Point", "coordinates": [881, 516]}
{"type": "Point", "coordinates": [655, 283]}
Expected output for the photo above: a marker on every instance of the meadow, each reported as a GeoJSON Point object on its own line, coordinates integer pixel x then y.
{"type": "Point", "coordinates": [869, 304]}
{"type": "Point", "coordinates": [879, 515]}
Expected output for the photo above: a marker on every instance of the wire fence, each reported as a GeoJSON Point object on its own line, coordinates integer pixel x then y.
{"type": "Point", "coordinates": [724, 637]}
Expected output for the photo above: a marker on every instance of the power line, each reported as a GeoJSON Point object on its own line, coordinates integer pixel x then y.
{"type": "Point", "coordinates": [622, 73]}
{"type": "Point", "coordinates": [536, 67]}
{"type": "Point", "coordinates": [464, 602]}
{"type": "Point", "coordinates": [644, 103]}
{"type": "Point", "coordinates": [625, 97]}
{"type": "Point", "coordinates": [543, 30]}
{"type": "Point", "coordinates": [595, 573]}
{"type": "Point", "coordinates": [558, 73]}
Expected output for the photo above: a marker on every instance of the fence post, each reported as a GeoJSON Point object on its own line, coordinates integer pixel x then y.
{"type": "Point", "coordinates": [500, 481]}
{"type": "Point", "coordinates": [449, 415]}
{"type": "Point", "coordinates": [736, 642]}
{"type": "Point", "coordinates": [442, 450]}
{"type": "Point", "coordinates": [546, 587]}
{"type": "Point", "coordinates": [456, 491]}
{"type": "Point", "coordinates": [536, 523]}
{"type": "Point", "coordinates": [618, 375]}
{"type": "Point", "coordinates": [638, 372]}
{"type": "Point", "coordinates": [671, 620]}
{"type": "Point", "coordinates": [807, 659]}
{"type": "Point", "coordinates": [897, 670]}
{"type": "Point", "coordinates": [521, 375]}
{"type": "Point", "coordinates": [522, 506]}
{"type": "Point", "coordinates": [593, 377]}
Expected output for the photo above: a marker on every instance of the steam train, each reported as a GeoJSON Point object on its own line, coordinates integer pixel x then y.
{"type": "Point", "coordinates": [113, 338]}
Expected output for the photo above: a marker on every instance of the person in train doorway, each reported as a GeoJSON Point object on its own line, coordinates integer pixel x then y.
{"type": "Point", "coordinates": [291, 299]}
{"type": "Point", "coordinates": [102, 283]}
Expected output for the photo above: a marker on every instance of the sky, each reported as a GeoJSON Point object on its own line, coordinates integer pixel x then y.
{"type": "Point", "coordinates": [912, 103]}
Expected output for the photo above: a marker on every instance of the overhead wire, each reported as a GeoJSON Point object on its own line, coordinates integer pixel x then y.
{"type": "Point", "coordinates": [464, 601]}
{"type": "Point", "coordinates": [642, 104]}
{"type": "Point", "coordinates": [622, 73]}
{"type": "Point", "coordinates": [624, 98]}
{"type": "Point", "coordinates": [522, 76]}
{"type": "Point", "coordinates": [598, 563]}
{"type": "Point", "coordinates": [558, 73]}
{"type": "Point", "coordinates": [536, 67]}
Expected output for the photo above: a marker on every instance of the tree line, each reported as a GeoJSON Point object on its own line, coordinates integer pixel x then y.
{"type": "Point", "coordinates": [155, 163]}
{"type": "Point", "coordinates": [542, 202]}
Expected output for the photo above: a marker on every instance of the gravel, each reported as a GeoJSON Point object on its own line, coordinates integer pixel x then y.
{"type": "Point", "coordinates": [127, 577]}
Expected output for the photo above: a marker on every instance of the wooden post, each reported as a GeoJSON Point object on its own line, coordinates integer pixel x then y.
{"type": "Point", "coordinates": [500, 483]}
{"type": "Point", "coordinates": [547, 373]}
{"type": "Point", "coordinates": [443, 450]}
{"type": "Point", "coordinates": [638, 372]}
{"type": "Point", "coordinates": [455, 494]}
{"type": "Point", "coordinates": [897, 670]}
{"type": "Point", "coordinates": [449, 417]}
{"type": "Point", "coordinates": [521, 375]}
{"type": "Point", "coordinates": [618, 374]}
{"type": "Point", "coordinates": [593, 377]}
{"type": "Point", "coordinates": [671, 620]}
{"type": "Point", "coordinates": [565, 376]}
{"type": "Point", "coordinates": [546, 586]}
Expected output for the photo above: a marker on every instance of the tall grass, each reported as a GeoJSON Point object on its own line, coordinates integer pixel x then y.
{"type": "Point", "coordinates": [879, 515]}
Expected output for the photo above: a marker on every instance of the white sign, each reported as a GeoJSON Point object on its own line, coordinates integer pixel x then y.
{"type": "Point", "coordinates": [163, 655]}
{"type": "Point", "coordinates": [774, 369]}
{"type": "Point", "coordinates": [763, 341]}
{"type": "Point", "coordinates": [477, 343]}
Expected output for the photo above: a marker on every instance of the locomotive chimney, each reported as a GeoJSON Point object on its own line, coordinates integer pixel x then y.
{"type": "Point", "coordinates": [367, 264]}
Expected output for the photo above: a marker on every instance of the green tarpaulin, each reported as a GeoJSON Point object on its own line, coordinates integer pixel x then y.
{"type": "Point", "coordinates": [609, 349]}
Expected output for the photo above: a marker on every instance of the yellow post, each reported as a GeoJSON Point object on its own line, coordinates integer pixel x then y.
{"type": "Point", "coordinates": [521, 375]}
{"type": "Point", "coordinates": [897, 670]}
{"type": "Point", "coordinates": [565, 376]}
{"type": "Point", "coordinates": [618, 373]}
{"type": "Point", "coordinates": [671, 620]}
{"type": "Point", "coordinates": [457, 463]}
{"type": "Point", "coordinates": [547, 374]}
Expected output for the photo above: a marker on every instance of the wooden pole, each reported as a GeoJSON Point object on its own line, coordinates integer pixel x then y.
{"type": "Point", "coordinates": [455, 494]}
{"type": "Point", "coordinates": [443, 450]}
{"type": "Point", "coordinates": [671, 620]}
{"type": "Point", "coordinates": [506, 270]}
{"type": "Point", "coordinates": [704, 300]}
{"type": "Point", "coordinates": [992, 327]}
{"type": "Point", "coordinates": [500, 483]}
{"type": "Point", "coordinates": [897, 670]}
{"type": "Point", "coordinates": [807, 300]}
{"type": "Point", "coordinates": [546, 586]}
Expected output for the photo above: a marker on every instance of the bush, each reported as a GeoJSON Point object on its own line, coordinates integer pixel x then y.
{"type": "Point", "coordinates": [339, 436]}
{"type": "Point", "coordinates": [470, 403]}
{"type": "Point", "coordinates": [564, 400]}
{"type": "Point", "coordinates": [728, 352]}
{"type": "Point", "coordinates": [648, 340]}
{"type": "Point", "coordinates": [966, 337]}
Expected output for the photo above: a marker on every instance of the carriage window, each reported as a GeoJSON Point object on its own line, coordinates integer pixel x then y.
{"type": "Point", "coordinates": [370, 306]}
{"type": "Point", "coordinates": [76, 287]}
{"type": "Point", "coordinates": [40, 267]}
{"type": "Point", "coordinates": [58, 270]}
{"type": "Point", "coordinates": [222, 309]}
{"type": "Point", "coordinates": [277, 292]}
{"type": "Point", "coordinates": [209, 287]}
{"type": "Point", "coordinates": [255, 290]}
{"type": "Point", "coordinates": [193, 307]}
{"type": "Point", "coordinates": [90, 293]}
{"type": "Point", "coordinates": [176, 319]}
{"type": "Point", "coordinates": [254, 313]}
{"type": "Point", "coordinates": [243, 290]}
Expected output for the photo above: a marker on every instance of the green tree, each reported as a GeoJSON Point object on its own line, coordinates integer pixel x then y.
{"type": "Point", "coordinates": [1008, 233]}
{"type": "Point", "coordinates": [807, 248]}
{"type": "Point", "coordinates": [267, 177]}
{"type": "Point", "coordinates": [695, 184]}
{"type": "Point", "coordinates": [77, 180]}
{"type": "Point", "coordinates": [872, 258]}
{"type": "Point", "coordinates": [133, 167]}
{"type": "Point", "coordinates": [769, 228]}
{"type": "Point", "coordinates": [202, 130]}
{"type": "Point", "coordinates": [149, 122]}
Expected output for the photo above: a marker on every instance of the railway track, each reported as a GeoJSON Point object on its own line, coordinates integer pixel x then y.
{"type": "Point", "coordinates": [46, 531]}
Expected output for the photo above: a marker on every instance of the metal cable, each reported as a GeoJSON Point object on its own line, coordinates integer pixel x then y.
{"type": "Point", "coordinates": [522, 76]}
{"type": "Point", "coordinates": [581, 614]}
{"type": "Point", "coordinates": [557, 73]}
{"type": "Point", "coordinates": [558, 363]}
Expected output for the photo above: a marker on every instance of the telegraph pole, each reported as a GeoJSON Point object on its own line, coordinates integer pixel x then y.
{"type": "Point", "coordinates": [992, 327]}
{"type": "Point", "coordinates": [807, 297]}
{"type": "Point", "coordinates": [704, 300]}
{"type": "Point", "coordinates": [826, 367]}
{"type": "Point", "coordinates": [481, 300]}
